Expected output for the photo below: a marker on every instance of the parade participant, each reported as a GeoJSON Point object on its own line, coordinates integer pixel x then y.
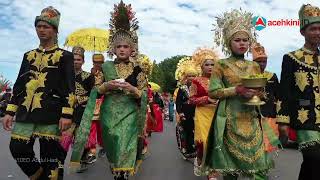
{"type": "Point", "coordinates": [158, 112]}
{"type": "Point", "coordinates": [271, 96]}
{"type": "Point", "coordinates": [84, 83]}
{"type": "Point", "coordinates": [186, 71]}
{"type": "Point", "coordinates": [171, 110]}
{"type": "Point", "coordinates": [42, 102]}
{"type": "Point", "coordinates": [95, 137]}
{"type": "Point", "coordinates": [235, 143]}
{"type": "Point", "coordinates": [123, 111]}
{"type": "Point", "coordinates": [299, 93]}
{"type": "Point", "coordinates": [204, 58]}
{"type": "Point", "coordinates": [154, 117]}
{"type": "Point", "coordinates": [166, 99]}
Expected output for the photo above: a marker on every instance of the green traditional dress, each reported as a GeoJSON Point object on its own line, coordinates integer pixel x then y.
{"type": "Point", "coordinates": [235, 143]}
{"type": "Point", "coordinates": [122, 119]}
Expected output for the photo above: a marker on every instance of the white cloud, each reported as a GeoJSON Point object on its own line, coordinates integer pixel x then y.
{"type": "Point", "coordinates": [165, 28]}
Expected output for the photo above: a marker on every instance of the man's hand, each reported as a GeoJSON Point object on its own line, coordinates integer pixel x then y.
{"type": "Point", "coordinates": [7, 122]}
{"type": "Point", "coordinates": [246, 92]}
{"type": "Point", "coordinates": [64, 124]}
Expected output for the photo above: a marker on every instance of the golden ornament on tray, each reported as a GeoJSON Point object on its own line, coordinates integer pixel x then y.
{"type": "Point", "coordinates": [257, 81]}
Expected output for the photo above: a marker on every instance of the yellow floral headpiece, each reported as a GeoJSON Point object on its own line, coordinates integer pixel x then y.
{"type": "Point", "coordinates": [203, 54]}
{"type": "Point", "coordinates": [145, 63]}
{"type": "Point", "coordinates": [186, 67]}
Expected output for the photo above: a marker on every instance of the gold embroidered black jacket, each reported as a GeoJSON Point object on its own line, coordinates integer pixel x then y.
{"type": "Point", "coordinates": [299, 102]}
{"type": "Point", "coordinates": [84, 84]}
{"type": "Point", "coordinates": [272, 95]}
{"type": "Point", "coordinates": [44, 89]}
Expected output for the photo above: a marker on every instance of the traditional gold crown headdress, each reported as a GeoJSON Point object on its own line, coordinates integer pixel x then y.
{"type": "Point", "coordinates": [123, 26]}
{"type": "Point", "coordinates": [145, 63]}
{"type": "Point", "coordinates": [186, 67]}
{"type": "Point", "coordinates": [308, 14]}
{"type": "Point", "coordinates": [203, 54]}
{"type": "Point", "coordinates": [228, 24]}
{"type": "Point", "coordinates": [258, 51]}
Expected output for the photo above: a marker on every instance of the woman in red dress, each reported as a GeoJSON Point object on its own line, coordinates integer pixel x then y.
{"type": "Point", "coordinates": [155, 120]}
{"type": "Point", "coordinates": [205, 106]}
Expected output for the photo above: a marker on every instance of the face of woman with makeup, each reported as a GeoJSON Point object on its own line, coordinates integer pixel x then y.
{"type": "Point", "coordinates": [207, 67]}
{"type": "Point", "coordinates": [240, 43]}
{"type": "Point", "coordinates": [123, 50]}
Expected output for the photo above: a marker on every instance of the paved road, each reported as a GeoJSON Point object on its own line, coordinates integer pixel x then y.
{"type": "Point", "coordinates": [163, 164]}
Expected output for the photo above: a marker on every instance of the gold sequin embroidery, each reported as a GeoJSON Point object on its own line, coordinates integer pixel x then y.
{"type": "Point", "coordinates": [124, 70]}
{"type": "Point", "coordinates": [303, 115]}
{"type": "Point", "coordinates": [301, 80]}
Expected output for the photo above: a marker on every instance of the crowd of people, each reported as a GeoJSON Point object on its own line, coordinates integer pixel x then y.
{"type": "Point", "coordinates": [113, 110]}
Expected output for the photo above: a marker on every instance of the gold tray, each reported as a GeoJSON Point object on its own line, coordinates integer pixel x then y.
{"type": "Point", "coordinates": [254, 82]}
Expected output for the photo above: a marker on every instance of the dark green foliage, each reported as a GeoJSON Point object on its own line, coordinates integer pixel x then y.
{"type": "Point", "coordinates": [164, 73]}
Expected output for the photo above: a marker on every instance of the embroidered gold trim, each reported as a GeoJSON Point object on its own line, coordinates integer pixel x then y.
{"type": "Point", "coordinates": [130, 170]}
{"type": "Point", "coordinates": [308, 59]}
{"type": "Point", "coordinates": [244, 157]}
{"type": "Point", "coordinates": [283, 119]}
{"type": "Point", "coordinates": [67, 110]}
{"type": "Point", "coordinates": [124, 70]}
{"type": "Point", "coordinates": [71, 99]}
{"type": "Point", "coordinates": [278, 106]}
{"type": "Point", "coordinates": [46, 136]}
{"type": "Point", "coordinates": [231, 91]}
{"type": "Point", "coordinates": [54, 174]}
{"type": "Point", "coordinates": [301, 63]}
{"type": "Point", "coordinates": [98, 78]}
{"type": "Point", "coordinates": [298, 54]}
{"type": "Point", "coordinates": [19, 137]}
{"type": "Point", "coordinates": [12, 108]}
{"type": "Point", "coordinates": [84, 75]}
{"type": "Point", "coordinates": [315, 78]}
{"type": "Point", "coordinates": [301, 80]}
{"type": "Point", "coordinates": [80, 90]}
{"type": "Point", "coordinates": [56, 56]}
{"type": "Point", "coordinates": [31, 55]}
{"type": "Point", "coordinates": [303, 115]}
{"type": "Point", "coordinates": [246, 133]}
{"type": "Point", "coordinates": [141, 81]}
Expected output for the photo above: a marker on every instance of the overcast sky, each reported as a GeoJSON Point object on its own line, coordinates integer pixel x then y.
{"type": "Point", "coordinates": [167, 27]}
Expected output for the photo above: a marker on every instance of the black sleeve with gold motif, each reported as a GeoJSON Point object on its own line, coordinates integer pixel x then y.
{"type": "Point", "coordinates": [68, 85]}
{"type": "Point", "coordinates": [285, 91]}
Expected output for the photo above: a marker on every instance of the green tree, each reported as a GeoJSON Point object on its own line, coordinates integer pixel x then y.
{"type": "Point", "coordinates": [156, 74]}
{"type": "Point", "coordinates": [164, 73]}
{"type": "Point", "coordinates": [168, 69]}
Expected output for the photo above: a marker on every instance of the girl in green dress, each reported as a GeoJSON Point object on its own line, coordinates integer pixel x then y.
{"type": "Point", "coordinates": [235, 143]}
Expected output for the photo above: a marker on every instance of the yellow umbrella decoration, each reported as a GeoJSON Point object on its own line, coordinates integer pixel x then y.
{"type": "Point", "coordinates": [91, 39]}
{"type": "Point", "coordinates": [154, 86]}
